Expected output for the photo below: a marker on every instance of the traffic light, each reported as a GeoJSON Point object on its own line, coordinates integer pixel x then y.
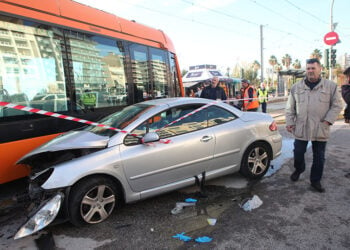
{"type": "Point", "coordinates": [326, 58]}
{"type": "Point", "coordinates": [333, 57]}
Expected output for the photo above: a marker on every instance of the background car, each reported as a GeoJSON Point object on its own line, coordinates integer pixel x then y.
{"type": "Point", "coordinates": [144, 150]}
{"type": "Point", "coordinates": [50, 102]}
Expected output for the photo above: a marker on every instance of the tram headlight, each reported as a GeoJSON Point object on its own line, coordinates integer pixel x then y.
{"type": "Point", "coordinates": [43, 217]}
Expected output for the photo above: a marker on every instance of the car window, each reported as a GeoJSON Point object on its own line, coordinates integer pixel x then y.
{"type": "Point", "coordinates": [217, 115]}
{"type": "Point", "coordinates": [174, 122]}
{"type": "Point", "coordinates": [119, 119]}
{"type": "Point", "coordinates": [162, 124]}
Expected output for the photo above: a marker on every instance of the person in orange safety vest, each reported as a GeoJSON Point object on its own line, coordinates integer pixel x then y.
{"type": "Point", "coordinates": [250, 97]}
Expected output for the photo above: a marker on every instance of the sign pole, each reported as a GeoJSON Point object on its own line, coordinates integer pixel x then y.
{"type": "Point", "coordinates": [330, 52]}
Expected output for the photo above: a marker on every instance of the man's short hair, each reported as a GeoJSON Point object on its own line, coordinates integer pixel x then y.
{"type": "Point", "coordinates": [347, 72]}
{"type": "Point", "coordinates": [313, 60]}
{"type": "Point", "coordinates": [245, 80]}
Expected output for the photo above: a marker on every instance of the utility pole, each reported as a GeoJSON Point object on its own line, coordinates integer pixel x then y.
{"type": "Point", "coordinates": [330, 50]}
{"type": "Point", "coordinates": [261, 54]}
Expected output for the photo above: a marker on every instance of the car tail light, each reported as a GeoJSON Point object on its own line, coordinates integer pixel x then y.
{"type": "Point", "coordinates": [273, 126]}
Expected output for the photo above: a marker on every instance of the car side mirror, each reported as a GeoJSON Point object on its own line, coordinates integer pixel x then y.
{"type": "Point", "coordinates": [150, 137]}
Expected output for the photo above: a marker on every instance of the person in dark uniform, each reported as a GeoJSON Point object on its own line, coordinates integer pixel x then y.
{"type": "Point", "coordinates": [213, 91]}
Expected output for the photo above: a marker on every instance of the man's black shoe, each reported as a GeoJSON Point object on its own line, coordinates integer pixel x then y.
{"type": "Point", "coordinates": [295, 176]}
{"type": "Point", "coordinates": [318, 187]}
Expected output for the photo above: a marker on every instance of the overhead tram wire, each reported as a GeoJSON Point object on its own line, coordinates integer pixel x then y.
{"type": "Point", "coordinates": [247, 21]}
{"type": "Point", "coordinates": [316, 17]}
{"type": "Point", "coordinates": [191, 20]}
{"type": "Point", "coordinates": [276, 13]}
{"type": "Point", "coordinates": [223, 13]}
{"type": "Point", "coordinates": [306, 12]}
{"type": "Point", "coordinates": [214, 26]}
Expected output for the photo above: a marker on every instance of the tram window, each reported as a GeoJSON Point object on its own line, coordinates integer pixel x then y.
{"type": "Point", "coordinates": [98, 70]}
{"type": "Point", "coordinates": [32, 66]}
{"type": "Point", "coordinates": [159, 72]}
{"type": "Point", "coordinates": [140, 72]}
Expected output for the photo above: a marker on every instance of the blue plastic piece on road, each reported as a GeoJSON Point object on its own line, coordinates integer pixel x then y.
{"type": "Point", "coordinates": [190, 200]}
{"type": "Point", "coordinates": [203, 239]}
{"type": "Point", "coordinates": [182, 237]}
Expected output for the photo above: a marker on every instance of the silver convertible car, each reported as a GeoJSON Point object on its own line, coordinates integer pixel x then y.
{"type": "Point", "coordinates": [144, 150]}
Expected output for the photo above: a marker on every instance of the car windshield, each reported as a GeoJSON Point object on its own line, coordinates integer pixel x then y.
{"type": "Point", "coordinates": [119, 120]}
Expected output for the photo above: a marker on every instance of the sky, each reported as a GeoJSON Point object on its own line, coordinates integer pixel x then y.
{"type": "Point", "coordinates": [228, 32]}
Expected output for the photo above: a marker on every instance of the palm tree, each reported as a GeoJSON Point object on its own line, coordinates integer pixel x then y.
{"type": "Point", "coordinates": [297, 64]}
{"type": "Point", "coordinates": [256, 66]}
{"type": "Point", "coordinates": [286, 60]}
{"type": "Point", "coordinates": [273, 62]}
{"type": "Point", "coordinates": [316, 54]}
{"type": "Point", "coordinates": [278, 67]}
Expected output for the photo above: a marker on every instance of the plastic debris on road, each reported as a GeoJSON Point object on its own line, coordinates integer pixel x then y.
{"type": "Point", "coordinates": [182, 237]}
{"type": "Point", "coordinates": [211, 221]}
{"type": "Point", "coordinates": [251, 204]}
{"type": "Point", "coordinates": [180, 205]}
{"type": "Point", "coordinates": [189, 202]}
{"type": "Point", "coordinates": [203, 239]}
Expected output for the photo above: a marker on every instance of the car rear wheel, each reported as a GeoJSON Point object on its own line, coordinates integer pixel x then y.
{"type": "Point", "coordinates": [255, 161]}
{"type": "Point", "coordinates": [93, 200]}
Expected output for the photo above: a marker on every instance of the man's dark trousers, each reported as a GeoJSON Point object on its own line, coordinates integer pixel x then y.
{"type": "Point", "coordinates": [263, 107]}
{"type": "Point", "coordinates": [318, 151]}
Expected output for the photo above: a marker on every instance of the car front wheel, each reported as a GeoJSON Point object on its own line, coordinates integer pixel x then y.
{"type": "Point", "coordinates": [255, 161]}
{"type": "Point", "coordinates": [92, 200]}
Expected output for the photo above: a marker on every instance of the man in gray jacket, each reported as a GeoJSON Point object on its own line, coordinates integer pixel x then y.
{"type": "Point", "coordinates": [313, 105]}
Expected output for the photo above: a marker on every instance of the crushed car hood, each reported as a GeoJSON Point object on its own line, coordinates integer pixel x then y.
{"type": "Point", "coordinates": [70, 140]}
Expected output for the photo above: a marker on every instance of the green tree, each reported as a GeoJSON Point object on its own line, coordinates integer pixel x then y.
{"type": "Point", "coordinates": [183, 72]}
{"type": "Point", "coordinates": [273, 61]}
{"type": "Point", "coordinates": [316, 54]}
{"type": "Point", "coordinates": [296, 64]}
{"type": "Point", "coordinates": [255, 67]}
{"type": "Point", "coordinates": [286, 60]}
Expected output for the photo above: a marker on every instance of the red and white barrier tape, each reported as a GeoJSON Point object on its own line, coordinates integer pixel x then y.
{"type": "Point", "coordinates": [74, 119]}
{"type": "Point", "coordinates": [66, 117]}
{"type": "Point", "coordinates": [70, 118]}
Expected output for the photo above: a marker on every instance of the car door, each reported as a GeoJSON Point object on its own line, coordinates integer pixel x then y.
{"type": "Point", "coordinates": [230, 137]}
{"type": "Point", "coordinates": [189, 153]}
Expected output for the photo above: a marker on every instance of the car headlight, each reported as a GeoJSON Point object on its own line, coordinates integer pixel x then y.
{"type": "Point", "coordinates": [43, 217]}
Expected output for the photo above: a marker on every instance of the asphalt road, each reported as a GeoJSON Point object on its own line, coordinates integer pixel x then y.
{"type": "Point", "coordinates": [292, 216]}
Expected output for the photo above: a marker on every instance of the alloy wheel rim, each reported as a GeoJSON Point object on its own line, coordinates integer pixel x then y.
{"type": "Point", "coordinates": [257, 160]}
{"type": "Point", "coordinates": [97, 204]}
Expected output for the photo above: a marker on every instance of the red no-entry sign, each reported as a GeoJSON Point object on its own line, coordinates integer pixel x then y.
{"type": "Point", "coordinates": [331, 38]}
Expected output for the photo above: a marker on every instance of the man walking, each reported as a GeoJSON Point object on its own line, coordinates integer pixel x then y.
{"type": "Point", "coordinates": [214, 91]}
{"type": "Point", "coordinates": [313, 105]}
{"type": "Point", "coordinates": [263, 97]}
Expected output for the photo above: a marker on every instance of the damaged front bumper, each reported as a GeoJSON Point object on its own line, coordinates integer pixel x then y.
{"type": "Point", "coordinates": [43, 216]}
